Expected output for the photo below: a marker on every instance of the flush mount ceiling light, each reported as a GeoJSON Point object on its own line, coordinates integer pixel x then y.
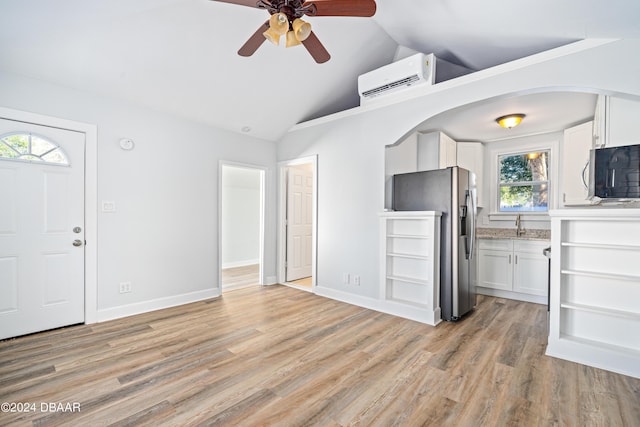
{"type": "Point", "coordinates": [286, 21]}
{"type": "Point", "coordinates": [509, 121]}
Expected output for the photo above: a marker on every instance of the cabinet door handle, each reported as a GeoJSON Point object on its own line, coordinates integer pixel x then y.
{"type": "Point", "coordinates": [509, 259]}
{"type": "Point", "coordinates": [516, 259]}
{"type": "Point", "coordinates": [584, 178]}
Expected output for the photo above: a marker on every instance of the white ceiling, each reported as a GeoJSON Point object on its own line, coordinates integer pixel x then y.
{"type": "Point", "coordinates": [179, 56]}
{"type": "Point", "coordinates": [544, 113]}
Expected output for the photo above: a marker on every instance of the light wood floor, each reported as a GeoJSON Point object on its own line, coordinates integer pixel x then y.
{"type": "Point", "coordinates": [240, 277]}
{"type": "Point", "coordinates": [305, 282]}
{"type": "Point", "coordinates": [280, 356]}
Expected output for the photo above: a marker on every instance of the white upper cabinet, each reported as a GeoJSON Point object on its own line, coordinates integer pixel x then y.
{"type": "Point", "coordinates": [616, 122]}
{"type": "Point", "coordinates": [436, 151]}
{"type": "Point", "coordinates": [433, 150]}
{"type": "Point", "coordinates": [470, 156]}
{"type": "Point", "coordinates": [574, 170]}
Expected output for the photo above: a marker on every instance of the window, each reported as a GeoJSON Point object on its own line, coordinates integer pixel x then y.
{"type": "Point", "coordinates": [31, 148]}
{"type": "Point", "coordinates": [524, 182]}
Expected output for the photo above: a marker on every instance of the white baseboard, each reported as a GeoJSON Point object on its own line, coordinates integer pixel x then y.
{"type": "Point", "coordinates": [271, 280]}
{"type": "Point", "coordinates": [156, 304]}
{"type": "Point", "coordinates": [389, 307]}
{"type": "Point", "coordinates": [518, 296]}
{"type": "Point", "coordinates": [243, 263]}
{"type": "Point", "coordinates": [625, 362]}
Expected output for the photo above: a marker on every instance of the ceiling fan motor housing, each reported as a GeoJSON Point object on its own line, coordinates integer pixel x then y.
{"type": "Point", "coordinates": [292, 8]}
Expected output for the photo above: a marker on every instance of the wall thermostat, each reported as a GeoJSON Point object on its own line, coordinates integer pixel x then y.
{"type": "Point", "coordinates": [126, 144]}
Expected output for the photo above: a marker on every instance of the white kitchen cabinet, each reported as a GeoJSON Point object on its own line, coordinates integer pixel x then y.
{"type": "Point", "coordinates": [514, 269]}
{"type": "Point", "coordinates": [595, 288]}
{"type": "Point", "coordinates": [495, 269]}
{"type": "Point", "coordinates": [410, 265]}
{"type": "Point", "coordinates": [470, 156]}
{"type": "Point", "coordinates": [530, 267]}
{"type": "Point", "coordinates": [436, 151]}
{"type": "Point", "coordinates": [574, 170]}
{"type": "Point", "coordinates": [616, 121]}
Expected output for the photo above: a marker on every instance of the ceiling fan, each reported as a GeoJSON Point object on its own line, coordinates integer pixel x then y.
{"type": "Point", "coordinates": [286, 20]}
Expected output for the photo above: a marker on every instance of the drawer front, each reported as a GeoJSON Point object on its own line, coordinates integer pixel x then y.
{"type": "Point", "coordinates": [530, 246]}
{"type": "Point", "coordinates": [496, 244]}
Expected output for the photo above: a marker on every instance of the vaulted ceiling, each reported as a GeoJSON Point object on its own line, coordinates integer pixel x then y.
{"type": "Point", "coordinates": [179, 56]}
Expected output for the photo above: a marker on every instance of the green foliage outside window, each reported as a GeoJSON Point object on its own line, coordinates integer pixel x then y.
{"type": "Point", "coordinates": [524, 182]}
{"type": "Point", "coordinates": [31, 148]}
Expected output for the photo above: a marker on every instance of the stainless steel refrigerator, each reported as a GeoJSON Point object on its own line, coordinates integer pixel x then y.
{"type": "Point", "coordinates": [451, 191]}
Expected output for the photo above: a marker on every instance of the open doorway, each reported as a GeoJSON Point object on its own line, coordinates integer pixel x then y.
{"type": "Point", "coordinates": [241, 225]}
{"type": "Point", "coordinates": [297, 225]}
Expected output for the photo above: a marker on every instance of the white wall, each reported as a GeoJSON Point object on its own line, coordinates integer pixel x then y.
{"type": "Point", "coordinates": [350, 147]}
{"type": "Point", "coordinates": [240, 216]}
{"type": "Point", "coordinates": [163, 237]}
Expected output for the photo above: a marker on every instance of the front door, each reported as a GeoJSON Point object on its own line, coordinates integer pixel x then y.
{"type": "Point", "coordinates": [41, 228]}
{"type": "Point", "coordinates": [299, 221]}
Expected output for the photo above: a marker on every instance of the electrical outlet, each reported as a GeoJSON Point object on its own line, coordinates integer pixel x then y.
{"type": "Point", "coordinates": [345, 278]}
{"type": "Point", "coordinates": [125, 287]}
{"type": "Point", "coordinates": [356, 280]}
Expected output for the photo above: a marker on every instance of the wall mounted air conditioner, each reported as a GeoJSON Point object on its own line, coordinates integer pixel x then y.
{"type": "Point", "coordinates": [416, 70]}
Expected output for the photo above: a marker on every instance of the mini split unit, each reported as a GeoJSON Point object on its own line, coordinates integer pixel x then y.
{"type": "Point", "coordinates": [416, 70]}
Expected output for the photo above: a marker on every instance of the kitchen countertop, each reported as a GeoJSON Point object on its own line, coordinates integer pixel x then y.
{"type": "Point", "coordinates": [510, 233]}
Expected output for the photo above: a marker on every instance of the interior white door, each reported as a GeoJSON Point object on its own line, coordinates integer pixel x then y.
{"type": "Point", "coordinates": [299, 221]}
{"type": "Point", "coordinates": [41, 234]}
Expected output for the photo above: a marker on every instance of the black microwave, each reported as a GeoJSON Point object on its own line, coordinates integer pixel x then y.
{"type": "Point", "coordinates": [615, 173]}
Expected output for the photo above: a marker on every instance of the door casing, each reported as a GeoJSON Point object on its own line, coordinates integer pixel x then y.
{"type": "Point", "coordinates": [263, 179]}
{"type": "Point", "coordinates": [282, 216]}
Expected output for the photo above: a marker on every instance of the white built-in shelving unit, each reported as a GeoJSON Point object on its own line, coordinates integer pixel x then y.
{"type": "Point", "coordinates": [595, 288]}
{"type": "Point", "coordinates": [410, 264]}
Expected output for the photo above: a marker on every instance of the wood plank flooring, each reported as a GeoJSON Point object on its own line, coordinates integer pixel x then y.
{"type": "Point", "coordinates": [305, 282]}
{"type": "Point", "coordinates": [240, 277]}
{"type": "Point", "coordinates": [274, 355]}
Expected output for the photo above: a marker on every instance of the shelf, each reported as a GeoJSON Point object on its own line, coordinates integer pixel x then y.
{"type": "Point", "coordinates": [413, 280]}
{"type": "Point", "coordinates": [409, 265]}
{"type": "Point", "coordinates": [601, 246]}
{"type": "Point", "coordinates": [408, 236]}
{"type": "Point", "coordinates": [408, 256]}
{"type": "Point", "coordinates": [601, 275]}
{"type": "Point", "coordinates": [601, 310]}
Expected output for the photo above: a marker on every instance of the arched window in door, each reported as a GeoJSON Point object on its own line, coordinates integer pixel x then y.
{"type": "Point", "coordinates": [27, 147]}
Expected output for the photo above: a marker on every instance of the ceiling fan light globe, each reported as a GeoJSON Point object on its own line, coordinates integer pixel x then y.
{"type": "Point", "coordinates": [302, 29]}
{"type": "Point", "coordinates": [279, 23]}
{"type": "Point", "coordinates": [272, 36]}
{"type": "Point", "coordinates": [292, 40]}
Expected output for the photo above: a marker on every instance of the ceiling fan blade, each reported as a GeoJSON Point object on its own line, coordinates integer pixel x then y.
{"type": "Point", "coordinates": [316, 49]}
{"type": "Point", "coordinates": [342, 7]}
{"type": "Point", "coordinates": [250, 3]}
{"type": "Point", "coordinates": [254, 42]}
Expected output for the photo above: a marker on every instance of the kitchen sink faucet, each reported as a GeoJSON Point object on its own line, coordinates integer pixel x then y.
{"type": "Point", "coordinates": [519, 229]}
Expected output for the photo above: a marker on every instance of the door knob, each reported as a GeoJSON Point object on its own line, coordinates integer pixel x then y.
{"type": "Point", "coordinates": [77, 242]}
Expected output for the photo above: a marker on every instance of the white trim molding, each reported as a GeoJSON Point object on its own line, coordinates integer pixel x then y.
{"type": "Point", "coordinates": [155, 304]}
{"type": "Point", "coordinates": [282, 211]}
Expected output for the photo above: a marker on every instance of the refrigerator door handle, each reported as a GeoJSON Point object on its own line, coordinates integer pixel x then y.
{"type": "Point", "coordinates": [473, 212]}
{"type": "Point", "coordinates": [468, 242]}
